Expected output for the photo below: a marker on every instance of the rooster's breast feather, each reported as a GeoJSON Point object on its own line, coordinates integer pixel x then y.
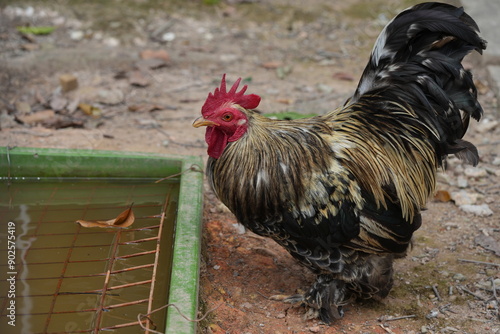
{"type": "Point", "coordinates": [315, 185]}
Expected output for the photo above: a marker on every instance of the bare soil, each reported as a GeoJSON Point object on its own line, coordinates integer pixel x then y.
{"type": "Point", "coordinates": [298, 57]}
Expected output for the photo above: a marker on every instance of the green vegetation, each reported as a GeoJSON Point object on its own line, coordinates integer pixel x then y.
{"type": "Point", "coordinates": [288, 115]}
{"type": "Point", "coordinates": [36, 30]}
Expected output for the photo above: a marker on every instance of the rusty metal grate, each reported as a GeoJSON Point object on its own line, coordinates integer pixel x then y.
{"type": "Point", "coordinates": [71, 279]}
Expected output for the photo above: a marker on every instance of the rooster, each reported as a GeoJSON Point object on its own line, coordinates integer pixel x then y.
{"type": "Point", "coordinates": [342, 192]}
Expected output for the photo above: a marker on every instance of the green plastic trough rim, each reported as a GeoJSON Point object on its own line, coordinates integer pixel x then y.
{"type": "Point", "coordinates": [29, 162]}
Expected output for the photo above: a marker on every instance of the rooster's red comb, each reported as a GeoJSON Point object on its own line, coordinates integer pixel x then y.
{"type": "Point", "coordinates": [221, 97]}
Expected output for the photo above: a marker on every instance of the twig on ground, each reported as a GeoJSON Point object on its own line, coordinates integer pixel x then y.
{"type": "Point", "coordinates": [33, 132]}
{"type": "Point", "coordinates": [464, 289]}
{"type": "Point", "coordinates": [436, 293]}
{"type": "Point", "coordinates": [387, 329]}
{"type": "Point", "coordinates": [480, 262]}
{"type": "Point", "coordinates": [445, 308]}
{"type": "Point", "coordinates": [494, 288]}
{"type": "Point", "coordinates": [385, 318]}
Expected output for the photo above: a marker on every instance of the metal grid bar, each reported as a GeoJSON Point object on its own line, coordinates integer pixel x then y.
{"type": "Point", "coordinates": [153, 277]}
{"type": "Point", "coordinates": [60, 280]}
{"type": "Point", "coordinates": [106, 283]}
{"type": "Point", "coordinates": [109, 285]}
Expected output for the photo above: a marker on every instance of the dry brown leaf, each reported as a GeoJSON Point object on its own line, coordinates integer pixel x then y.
{"type": "Point", "coordinates": [271, 65]}
{"type": "Point", "coordinates": [37, 117]}
{"type": "Point", "coordinates": [139, 78]}
{"type": "Point", "coordinates": [155, 54]}
{"type": "Point", "coordinates": [343, 76]}
{"type": "Point", "coordinates": [285, 101]}
{"type": "Point", "coordinates": [150, 64]}
{"type": "Point", "coordinates": [146, 107]}
{"type": "Point", "coordinates": [442, 196]}
{"type": "Point", "coordinates": [124, 219]}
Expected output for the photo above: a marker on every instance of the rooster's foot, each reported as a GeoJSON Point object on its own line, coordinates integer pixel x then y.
{"type": "Point", "coordinates": [323, 300]}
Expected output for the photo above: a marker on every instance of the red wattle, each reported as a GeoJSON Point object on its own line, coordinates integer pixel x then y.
{"type": "Point", "coordinates": [217, 142]}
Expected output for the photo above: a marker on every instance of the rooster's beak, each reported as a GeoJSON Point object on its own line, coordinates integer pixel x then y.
{"type": "Point", "coordinates": [200, 121]}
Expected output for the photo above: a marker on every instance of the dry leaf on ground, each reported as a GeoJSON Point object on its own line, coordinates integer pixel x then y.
{"type": "Point", "coordinates": [442, 196]}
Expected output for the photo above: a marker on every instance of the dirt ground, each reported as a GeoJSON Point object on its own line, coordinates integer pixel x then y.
{"type": "Point", "coordinates": [298, 58]}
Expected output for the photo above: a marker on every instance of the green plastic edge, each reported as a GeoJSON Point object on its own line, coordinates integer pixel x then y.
{"type": "Point", "coordinates": [46, 162]}
{"type": "Point", "coordinates": [187, 248]}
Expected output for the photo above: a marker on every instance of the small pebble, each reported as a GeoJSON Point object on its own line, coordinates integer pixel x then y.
{"type": "Point", "coordinates": [475, 172]}
{"type": "Point", "coordinates": [226, 58]}
{"type": "Point", "coordinates": [492, 305]}
{"type": "Point", "coordinates": [491, 272]}
{"type": "Point", "coordinates": [325, 89]}
{"type": "Point", "coordinates": [314, 329]}
{"type": "Point", "coordinates": [482, 210]}
{"type": "Point", "coordinates": [76, 35]}
{"type": "Point", "coordinates": [111, 41]}
{"type": "Point", "coordinates": [487, 125]}
{"type": "Point", "coordinates": [68, 82]}
{"type": "Point", "coordinates": [240, 229]}
{"type": "Point", "coordinates": [7, 121]}
{"type": "Point", "coordinates": [111, 96]}
{"type": "Point", "coordinates": [444, 273]}
{"type": "Point", "coordinates": [464, 197]}
{"type": "Point", "coordinates": [168, 37]}
{"type": "Point", "coordinates": [58, 103]}
{"type": "Point", "coordinates": [22, 107]}
{"type": "Point", "coordinates": [246, 305]}
{"type": "Point", "coordinates": [433, 314]}
{"type": "Point", "coordinates": [462, 182]}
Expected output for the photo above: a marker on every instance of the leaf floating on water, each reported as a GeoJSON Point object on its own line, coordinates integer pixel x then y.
{"type": "Point", "coordinates": [124, 219]}
{"type": "Point", "coordinates": [96, 223]}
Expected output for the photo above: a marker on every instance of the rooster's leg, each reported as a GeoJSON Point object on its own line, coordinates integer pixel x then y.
{"type": "Point", "coordinates": [324, 299]}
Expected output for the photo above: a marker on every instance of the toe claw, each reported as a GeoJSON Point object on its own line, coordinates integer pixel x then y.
{"type": "Point", "coordinates": [293, 299]}
{"type": "Point", "coordinates": [278, 297]}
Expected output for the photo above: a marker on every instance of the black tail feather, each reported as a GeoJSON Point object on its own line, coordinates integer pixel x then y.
{"type": "Point", "coordinates": [417, 61]}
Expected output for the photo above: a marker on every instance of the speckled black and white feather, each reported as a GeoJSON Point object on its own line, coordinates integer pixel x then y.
{"type": "Point", "coordinates": [420, 51]}
{"type": "Point", "coordinates": [343, 192]}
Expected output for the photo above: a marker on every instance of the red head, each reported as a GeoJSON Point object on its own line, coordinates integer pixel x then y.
{"type": "Point", "coordinates": [225, 122]}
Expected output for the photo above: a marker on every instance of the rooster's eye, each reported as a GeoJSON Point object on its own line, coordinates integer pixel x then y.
{"type": "Point", "coordinates": [227, 117]}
